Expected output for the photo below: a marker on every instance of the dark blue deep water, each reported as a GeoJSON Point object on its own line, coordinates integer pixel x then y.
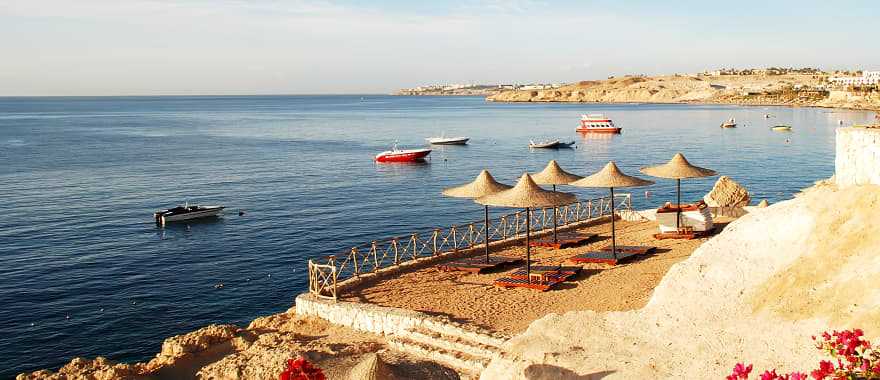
{"type": "Point", "coordinates": [80, 178]}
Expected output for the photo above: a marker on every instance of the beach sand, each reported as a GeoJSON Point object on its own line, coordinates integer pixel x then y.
{"type": "Point", "coordinates": [473, 299]}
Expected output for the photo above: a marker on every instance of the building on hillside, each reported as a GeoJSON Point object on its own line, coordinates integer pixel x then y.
{"type": "Point", "coordinates": [867, 78]}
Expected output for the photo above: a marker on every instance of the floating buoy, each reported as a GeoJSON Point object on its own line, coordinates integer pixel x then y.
{"type": "Point", "coordinates": [102, 310]}
{"type": "Point", "coordinates": [647, 194]}
{"type": "Point", "coordinates": [67, 316]}
{"type": "Point", "coordinates": [33, 324]}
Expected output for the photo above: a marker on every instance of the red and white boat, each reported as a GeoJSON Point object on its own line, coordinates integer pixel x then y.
{"type": "Point", "coordinates": [403, 155]}
{"type": "Point", "coordinates": [597, 123]}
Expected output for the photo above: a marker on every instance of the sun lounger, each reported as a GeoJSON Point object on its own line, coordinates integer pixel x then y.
{"type": "Point", "coordinates": [603, 257]}
{"type": "Point", "coordinates": [555, 272]}
{"type": "Point", "coordinates": [634, 249]}
{"type": "Point", "coordinates": [684, 233]}
{"type": "Point", "coordinates": [507, 282]}
{"type": "Point", "coordinates": [563, 239]}
{"type": "Point", "coordinates": [478, 264]}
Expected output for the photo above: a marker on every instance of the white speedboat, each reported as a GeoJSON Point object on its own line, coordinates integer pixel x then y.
{"type": "Point", "coordinates": [730, 123]}
{"type": "Point", "coordinates": [186, 212]}
{"type": "Point", "coordinates": [550, 144]}
{"type": "Point", "coordinates": [443, 140]}
{"type": "Point", "coordinates": [781, 128]}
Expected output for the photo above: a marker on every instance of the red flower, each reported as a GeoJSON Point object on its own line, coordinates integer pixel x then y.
{"type": "Point", "coordinates": [826, 368]}
{"type": "Point", "coordinates": [740, 372]}
{"type": "Point", "coordinates": [798, 376]}
{"type": "Point", "coordinates": [301, 369]}
{"type": "Point", "coordinates": [771, 375]}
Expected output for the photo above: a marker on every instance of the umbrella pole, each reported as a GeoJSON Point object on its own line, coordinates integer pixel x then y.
{"type": "Point", "coordinates": [486, 236]}
{"type": "Point", "coordinates": [528, 251]}
{"type": "Point", "coordinates": [613, 237]}
{"type": "Point", "coordinates": [678, 205]}
{"type": "Point", "coordinates": [554, 220]}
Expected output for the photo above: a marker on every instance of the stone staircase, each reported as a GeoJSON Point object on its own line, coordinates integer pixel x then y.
{"type": "Point", "coordinates": [465, 350]}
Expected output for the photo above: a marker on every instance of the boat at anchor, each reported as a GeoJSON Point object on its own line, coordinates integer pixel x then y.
{"type": "Point", "coordinates": [186, 212]}
{"type": "Point", "coordinates": [443, 140]}
{"type": "Point", "coordinates": [403, 155]}
{"type": "Point", "coordinates": [730, 123]}
{"type": "Point", "coordinates": [550, 144]}
{"type": "Point", "coordinates": [597, 123]}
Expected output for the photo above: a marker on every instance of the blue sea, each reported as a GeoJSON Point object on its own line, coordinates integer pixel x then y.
{"type": "Point", "coordinates": [86, 272]}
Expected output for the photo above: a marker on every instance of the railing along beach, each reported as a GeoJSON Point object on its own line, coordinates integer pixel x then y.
{"type": "Point", "coordinates": [325, 275]}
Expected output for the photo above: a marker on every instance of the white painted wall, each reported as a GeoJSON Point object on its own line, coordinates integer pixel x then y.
{"type": "Point", "coordinates": [857, 161]}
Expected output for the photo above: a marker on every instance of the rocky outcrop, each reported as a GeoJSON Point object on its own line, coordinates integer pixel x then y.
{"type": "Point", "coordinates": [97, 369]}
{"type": "Point", "coordinates": [229, 352]}
{"type": "Point", "coordinates": [727, 193]}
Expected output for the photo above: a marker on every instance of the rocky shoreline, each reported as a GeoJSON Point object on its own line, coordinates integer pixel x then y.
{"type": "Point", "coordinates": [258, 351]}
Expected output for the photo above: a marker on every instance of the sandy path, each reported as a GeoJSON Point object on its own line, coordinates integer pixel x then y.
{"type": "Point", "coordinates": [472, 298]}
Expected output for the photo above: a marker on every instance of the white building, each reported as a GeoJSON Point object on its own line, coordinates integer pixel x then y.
{"type": "Point", "coordinates": [867, 78]}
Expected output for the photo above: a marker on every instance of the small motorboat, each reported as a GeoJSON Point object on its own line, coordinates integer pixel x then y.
{"type": "Point", "coordinates": [730, 123]}
{"type": "Point", "coordinates": [403, 155]}
{"type": "Point", "coordinates": [767, 115]}
{"type": "Point", "coordinates": [781, 128]}
{"type": "Point", "coordinates": [550, 144]}
{"type": "Point", "coordinates": [186, 212]}
{"type": "Point", "coordinates": [443, 140]}
{"type": "Point", "coordinates": [597, 123]}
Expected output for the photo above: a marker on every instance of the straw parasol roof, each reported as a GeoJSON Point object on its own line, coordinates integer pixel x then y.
{"type": "Point", "coordinates": [526, 193]}
{"type": "Point", "coordinates": [554, 175]}
{"type": "Point", "coordinates": [484, 184]}
{"type": "Point", "coordinates": [678, 167]}
{"type": "Point", "coordinates": [610, 176]}
{"type": "Point", "coordinates": [371, 368]}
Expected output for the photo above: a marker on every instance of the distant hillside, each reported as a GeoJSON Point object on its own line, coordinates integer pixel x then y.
{"type": "Point", "coordinates": [788, 89]}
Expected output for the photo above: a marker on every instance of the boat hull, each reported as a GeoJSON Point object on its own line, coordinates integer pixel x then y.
{"type": "Point", "coordinates": [208, 212]}
{"type": "Point", "coordinates": [554, 145]}
{"type": "Point", "coordinates": [403, 156]}
{"type": "Point", "coordinates": [599, 130]}
{"type": "Point", "coordinates": [461, 141]}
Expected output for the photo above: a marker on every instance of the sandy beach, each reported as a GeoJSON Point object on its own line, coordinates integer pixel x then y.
{"type": "Point", "coordinates": [473, 299]}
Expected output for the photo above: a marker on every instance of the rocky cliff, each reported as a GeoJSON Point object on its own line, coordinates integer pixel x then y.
{"type": "Point", "coordinates": [755, 293]}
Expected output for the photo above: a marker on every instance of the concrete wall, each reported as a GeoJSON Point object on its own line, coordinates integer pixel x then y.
{"type": "Point", "coordinates": [858, 156]}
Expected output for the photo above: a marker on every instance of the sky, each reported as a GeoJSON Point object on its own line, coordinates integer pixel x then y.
{"type": "Point", "coordinates": [226, 47]}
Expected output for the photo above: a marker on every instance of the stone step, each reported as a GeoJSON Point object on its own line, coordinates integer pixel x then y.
{"type": "Point", "coordinates": [452, 343]}
{"type": "Point", "coordinates": [463, 332]}
{"type": "Point", "coordinates": [467, 364]}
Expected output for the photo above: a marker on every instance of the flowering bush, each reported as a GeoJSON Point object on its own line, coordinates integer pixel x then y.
{"type": "Point", "coordinates": [301, 369]}
{"type": "Point", "coordinates": [854, 357]}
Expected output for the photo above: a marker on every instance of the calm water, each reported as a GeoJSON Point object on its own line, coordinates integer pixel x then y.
{"type": "Point", "coordinates": [80, 177]}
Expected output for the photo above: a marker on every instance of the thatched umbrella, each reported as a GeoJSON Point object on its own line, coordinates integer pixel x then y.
{"type": "Point", "coordinates": [677, 168]}
{"type": "Point", "coordinates": [554, 175]}
{"type": "Point", "coordinates": [527, 194]}
{"type": "Point", "coordinates": [610, 177]}
{"type": "Point", "coordinates": [483, 185]}
{"type": "Point", "coordinates": [372, 367]}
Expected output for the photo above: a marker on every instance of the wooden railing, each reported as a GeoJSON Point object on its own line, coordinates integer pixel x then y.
{"type": "Point", "coordinates": [370, 257]}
